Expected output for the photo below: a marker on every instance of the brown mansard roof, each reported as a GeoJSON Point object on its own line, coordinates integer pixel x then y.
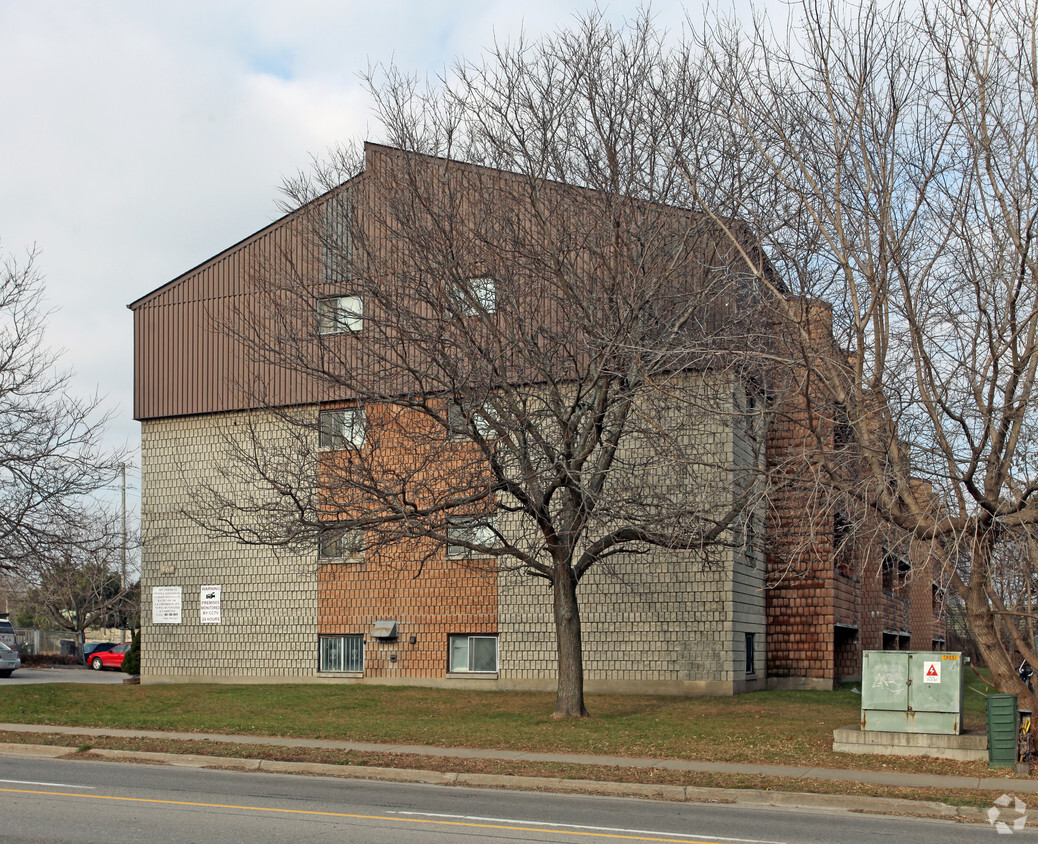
{"type": "Point", "coordinates": [184, 365]}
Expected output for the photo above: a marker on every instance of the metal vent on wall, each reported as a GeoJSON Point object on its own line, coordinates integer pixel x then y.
{"type": "Point", "coordinates": [384, 630]}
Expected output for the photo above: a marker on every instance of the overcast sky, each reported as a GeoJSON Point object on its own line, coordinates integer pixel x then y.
{"type": "Point", "coordinates": [140, 139]}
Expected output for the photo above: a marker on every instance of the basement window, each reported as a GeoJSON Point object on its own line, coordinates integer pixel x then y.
{"type": "Point", "coordinates": [341, 653]}
{"type": "Point", "coordinates": [476, 654]}
{"type": "Point", "coordinates": [751, 653]}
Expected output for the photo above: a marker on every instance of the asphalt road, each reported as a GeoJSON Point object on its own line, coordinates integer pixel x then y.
{"type": "Point", "coordinates": [83, 801]}
{"type": "Point", "coordinates": [24, 676]}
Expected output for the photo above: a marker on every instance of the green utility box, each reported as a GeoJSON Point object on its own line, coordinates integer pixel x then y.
{"type": "Point", "coordinates": [912, 691]}
{"type": "Point", "coordinates": [1003, 730]}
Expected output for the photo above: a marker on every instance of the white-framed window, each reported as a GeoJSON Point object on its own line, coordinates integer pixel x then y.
{"type": "Point", "coordinates": [341, 544]}
{"type": "Point", "coordinates": [342, 428]}
{"type": "Point", "coordinates": [481, 532]}
{"type": "Point", "coordinates": [340, 314]}
{"type": "Point", "coordinates": [340, 653]}
{"type": "Point", "coordinates": [473, 296]}
{"type": "Point", "coordinates": [476, 654]}
{"type": "Point", "coordinates": [481, 418]}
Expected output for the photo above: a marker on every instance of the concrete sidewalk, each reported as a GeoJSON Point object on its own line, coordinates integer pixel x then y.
{"type": "Point", "coordinates": [1017, 785]}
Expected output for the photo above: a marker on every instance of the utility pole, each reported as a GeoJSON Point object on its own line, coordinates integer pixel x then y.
{"type": "Point", "coordinates": [122, 579]}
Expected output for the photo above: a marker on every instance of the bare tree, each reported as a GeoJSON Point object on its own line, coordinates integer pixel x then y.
{"type": "Point", "coordinates": [76, 584]}
{"type": "Point", "coordinates": [527, 353]}
{"type": "Point", "coordinates": [51, 451]}
{"type": "Point", "coordinates": [887, 159]}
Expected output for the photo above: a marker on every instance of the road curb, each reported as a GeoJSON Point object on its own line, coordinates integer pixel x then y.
{"type": "Point", "coordinates": [673, 793]}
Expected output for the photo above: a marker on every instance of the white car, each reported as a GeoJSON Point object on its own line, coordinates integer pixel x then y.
{"type": "Point", "coordinates": [9, 660]}
{"type": "Point", "coordinates": [7, 633]}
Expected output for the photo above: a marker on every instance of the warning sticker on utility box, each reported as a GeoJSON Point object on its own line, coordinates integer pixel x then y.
{"type": "Point", "coordinates": [931, 672]}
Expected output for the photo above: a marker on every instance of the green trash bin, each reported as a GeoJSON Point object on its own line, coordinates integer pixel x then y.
{"type": "Point", "coordinates": [1003, 727]}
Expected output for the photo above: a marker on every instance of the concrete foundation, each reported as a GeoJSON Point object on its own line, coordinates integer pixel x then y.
{"type": "Point", "coordinates": [970, 746]}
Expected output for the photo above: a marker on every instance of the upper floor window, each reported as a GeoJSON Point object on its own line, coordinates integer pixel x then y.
{"type": "Point", "coordinates": [475, 532]}
{"type": "Point", "coordinates": [843, 431]}
{"type": "Point", "coordinates": [342, 428]}
{"type": "Point", "coordinates": [340, 314]}
{"type": "Point", "coordinates": [895, 571]}
{"type": "Point", "coordinates": [339, 544]}
{"type": "Point", "coordinates": [887, 572]}
{"type": "Point", "coordinates": [473, 296]}
{"type": "Point", "coordinates": [461, 420]}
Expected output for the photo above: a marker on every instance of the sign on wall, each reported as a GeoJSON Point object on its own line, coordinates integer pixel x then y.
{"type": "Point", "coordinates": [166, 604]}
{"type": "Point", "coordinates": [210, 605]}
{"type": "Point", "coordinates": [931, 672]}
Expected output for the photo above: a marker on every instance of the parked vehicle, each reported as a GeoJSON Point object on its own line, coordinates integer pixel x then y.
{"type": "Point", "coordinates": [9, 660]}
{"type": "Point", "coordinates": [7, 633]}
{"type": "Point", "coordinates": [109, 659]}
{"type": "Point", "coordinates": [91, 648]}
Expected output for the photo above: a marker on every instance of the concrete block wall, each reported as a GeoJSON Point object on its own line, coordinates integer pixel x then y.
{"type": "Point", "coordinates": [666, 621]}
{"type": "Point", "coordinates": [268, 627]}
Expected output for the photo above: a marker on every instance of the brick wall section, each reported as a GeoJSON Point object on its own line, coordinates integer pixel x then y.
{"type": "Point", "coordinates": [268, 629]}
{"type": "Point", "coordinates": [885, 611]}
{"type": "Point", "coordinates": [444, 598]}
{"type": "Point", "coordinates": [800, 605]}
{"type": "Point", "coordinates": [826, 604]}
{"type": "Point", "coordinates": [428, 595]}
{"type": "Point", "coordinates": [927, 608]}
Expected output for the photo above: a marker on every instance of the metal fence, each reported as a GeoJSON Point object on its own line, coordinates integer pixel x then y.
{"type": "Point", "coordinates": [34, 642]}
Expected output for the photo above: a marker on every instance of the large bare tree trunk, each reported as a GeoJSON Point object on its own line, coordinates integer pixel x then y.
{"type": "Point", "coordinates": [984, 625]}
{"type": "Point", "coordinates": [570, 700]}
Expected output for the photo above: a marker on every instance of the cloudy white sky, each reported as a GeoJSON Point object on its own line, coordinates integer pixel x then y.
{"type": "Point", "coordinates": [139, 139]}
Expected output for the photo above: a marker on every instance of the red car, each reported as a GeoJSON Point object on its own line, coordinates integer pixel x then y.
{"type": "Point", "coordinates": [109, 659]}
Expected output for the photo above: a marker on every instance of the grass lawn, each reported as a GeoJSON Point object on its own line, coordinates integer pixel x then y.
{"type": "Point", "coordinates": [781, 728]}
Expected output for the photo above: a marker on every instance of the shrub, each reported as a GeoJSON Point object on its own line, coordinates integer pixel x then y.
{"type": "Point", "coordinates": [132, 660]}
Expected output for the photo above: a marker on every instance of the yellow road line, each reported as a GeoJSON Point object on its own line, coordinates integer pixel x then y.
{"type": "Point", "coordinates": [396, 819]}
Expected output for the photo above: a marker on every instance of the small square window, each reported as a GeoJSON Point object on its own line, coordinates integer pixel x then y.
{"type": "Point", "coordinates": [477, 654]}
{"type": "Point", "coordinates": [342, 429]}
{"type": "Point", "coordinates": [341, 544]}
{"type": "Point", "coordinates": [887, 569]}
{"type": "Point", "coordinates": [473, 296]}
{"type": "Point", "coordinates": [341, 653]}
{"type": "Point", "coordinates": [480, 418]}
{"type": "Point", "coordinates": [481, 533]}
{"type": "Point", "coordinates": [843, 431]}
{"type": "Point", "coordinates": [340, 314]}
